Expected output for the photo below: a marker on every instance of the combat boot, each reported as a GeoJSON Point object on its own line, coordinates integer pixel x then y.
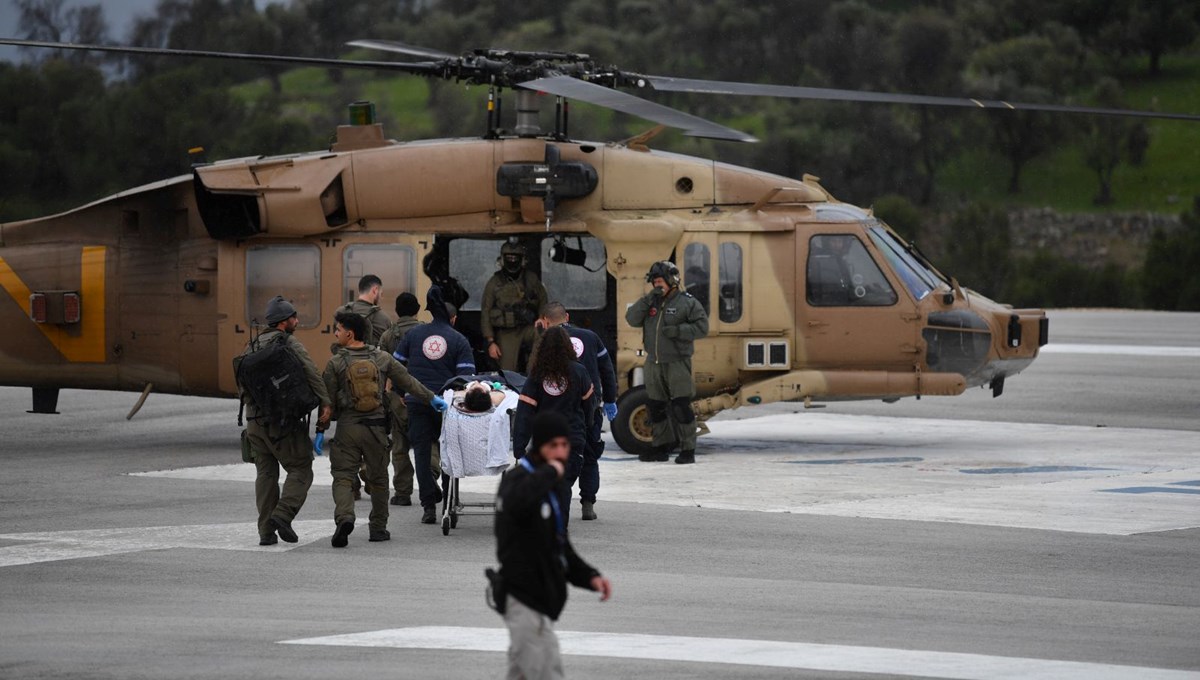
{"type": "Point", "coordinates": [686, 457]}
{"type": "Point", "coordinates": [397, 499]}
{"type": "Point", "coordinates": [268, 539]}
{"type": "Point", "coordinates": [589, 511]}
{"type": "Point", "coordinates": [430, 515]}
{"type": "Point", "coordinates": [283, 528]}
{"type": "Point", "coordinates": [378, 535]}
{"type": "Point", "coordinates": [341, 536]}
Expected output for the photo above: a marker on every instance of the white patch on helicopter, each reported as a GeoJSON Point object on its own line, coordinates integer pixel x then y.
{"type": "Point", "coordinates": [577, 344]}
{"type": "Point", "coordinates": [554, 389]}
{"type": "Point", "coordinates": [434, 347]}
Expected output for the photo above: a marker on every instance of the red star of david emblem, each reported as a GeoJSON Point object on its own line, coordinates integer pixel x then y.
{"type": "Point", "coordinates": [435, 346]}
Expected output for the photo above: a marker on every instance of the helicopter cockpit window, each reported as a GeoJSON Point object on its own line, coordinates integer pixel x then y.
{"type": "Point", "coordinates": [574, 272]}
{"type": "Point", "coordinates": [730, 280]}
{"type": "Point", "coordinates": [919, 280]}
{"type": "Point", "coordinates": [393, 264]}
{"type": "Point", "coordinates": [697, 272]}
{"type": "Point", "coordinates": [841, 273]}
{"type": "Point", "coordinates": [293, 271]}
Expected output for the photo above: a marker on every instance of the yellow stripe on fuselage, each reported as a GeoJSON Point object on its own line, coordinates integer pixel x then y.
{"type": "Point", "coordinates": [88, 344]}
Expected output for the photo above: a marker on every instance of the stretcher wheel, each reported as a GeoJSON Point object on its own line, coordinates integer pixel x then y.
{"type": "Point", "coordinates": [453, 520]}
{"type": "Point", "coordinates": [446, 525]}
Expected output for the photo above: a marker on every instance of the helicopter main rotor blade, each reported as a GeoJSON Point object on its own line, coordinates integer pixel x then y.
{"type": "Point", "coordinates": [402, 48]}
{"type": "Point", "coordinates": [693, 126]}
{"type": "Point", "coordinates": [418, 68]}
{"type": "Point", "coordinates": [670, 84]}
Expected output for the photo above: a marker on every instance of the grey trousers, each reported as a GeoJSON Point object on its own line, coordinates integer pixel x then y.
{"type": "Point", "coordinates": [533, 647]}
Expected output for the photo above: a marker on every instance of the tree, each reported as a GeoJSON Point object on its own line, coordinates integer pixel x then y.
{"type": "Point", "coordinates": [1171, 270]}
{"type": "Point", "coordinates": [1109, 140]}
{"type": "Point", "coordinates": [1030, 69]}
{"type": "Point", "coordinates": [1156, 27]}
{"type": "Point", "coordinates": [52, 21]}
{"type": "Point", "coordinates": [979, 249]}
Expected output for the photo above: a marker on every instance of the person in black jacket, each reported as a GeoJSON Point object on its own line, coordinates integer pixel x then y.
{"type": "Point", "coordinates": [535, 554]}
{"type": "Point", "coordinates": [557, 382]}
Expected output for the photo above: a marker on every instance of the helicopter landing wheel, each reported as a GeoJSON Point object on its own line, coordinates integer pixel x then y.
{"type": "Point", "coordinates": [632, 429]}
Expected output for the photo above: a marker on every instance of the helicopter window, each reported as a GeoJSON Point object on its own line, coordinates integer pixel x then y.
{"type": "Point", "coordinates": [919, 281]}
{"type": "Point", "coordinates": [697, 271]}
{"type": "Point", "coordinates": [567, 271]}
{"type": "Point", "coordinates": [393, 264]}
{"type": "Point", "coordinates": [841, 273]}
{"type": "Point", "coordinates": [472, 263]}
{"type": "Point", "coordinates": [293, 271]}
{"type": "Point", "coordinates": [731, 282]}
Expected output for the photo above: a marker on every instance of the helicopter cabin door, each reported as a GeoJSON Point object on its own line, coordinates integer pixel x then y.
{"type": "Point", "coordinates": [852, 314]}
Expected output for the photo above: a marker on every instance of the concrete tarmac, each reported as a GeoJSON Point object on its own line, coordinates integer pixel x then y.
{"type": "Point", "coordinates": [1026, 542]}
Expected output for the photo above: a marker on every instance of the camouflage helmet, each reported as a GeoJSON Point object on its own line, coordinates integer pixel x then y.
{"type": "Point", "coordinates": [665, 270]}
{"type": "Point", "coordinates": [510, 248]}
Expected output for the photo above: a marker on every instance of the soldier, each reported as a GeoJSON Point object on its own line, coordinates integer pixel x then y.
{"type": "Point", "coordinates": [671, 322]}
{"type": "Point", "coordinates": [355, 379]}
{"type": "Point", "coordinates": [535, 553]}
{"type": "Point", "coordinates": [370, 292]}
{"type": "Point", "coordinates": [288, 445]}
{"type": "Point", "coordinates": [402, 468]}
{"type": "Point", "coordinates": [591, 352]}
{"type": "Point", "coordinates": [511, 301]}
{"type": "Point", "coordinates": [434, 352]}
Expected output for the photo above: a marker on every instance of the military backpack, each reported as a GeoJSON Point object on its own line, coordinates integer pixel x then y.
{"type": "Point", "coordinates": [365, 389]}
{"type": "Point", "coordinates": [272, 377]}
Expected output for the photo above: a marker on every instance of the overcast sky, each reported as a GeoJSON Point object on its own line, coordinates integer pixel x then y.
{"type": "Point", "coordinates": [118, 13]}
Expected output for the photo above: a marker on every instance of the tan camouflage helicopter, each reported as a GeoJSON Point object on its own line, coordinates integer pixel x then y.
{"type": "Point", "coordinates": [810, 299]}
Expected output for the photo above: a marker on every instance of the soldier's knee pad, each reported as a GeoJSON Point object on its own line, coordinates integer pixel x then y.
{"type": "Point", "coordinates": [682, 410]}
{"type": "Point", "coordinates": [656, 411]}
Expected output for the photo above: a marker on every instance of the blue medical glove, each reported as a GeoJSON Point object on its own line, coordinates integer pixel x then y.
{"type": "Point", "coordinates": [439, 404]}
{"type": "Point", "coordinates": [319, 443]}
{"type": "Point", "coordinates": [610, 410]}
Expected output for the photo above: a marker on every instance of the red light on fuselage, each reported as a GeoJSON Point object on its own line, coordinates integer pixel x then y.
{"type": "Point", "coordinates": [72, 309]}
{"type": "Point", "coordinates": [38, 307]}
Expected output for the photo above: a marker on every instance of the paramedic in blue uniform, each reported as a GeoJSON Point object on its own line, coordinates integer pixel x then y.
{"type": "Point", "coordinates": [591, 352]}
{"type": "Point", "coordinates": [556, 382]}
{"type": "Point", "coordinates": [434, 353]}
{"type": "Point", "coordinates": [535, 553]}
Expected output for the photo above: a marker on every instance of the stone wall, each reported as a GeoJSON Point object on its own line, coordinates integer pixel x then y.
{"type": "Point", "coordinates": [1091, 239]}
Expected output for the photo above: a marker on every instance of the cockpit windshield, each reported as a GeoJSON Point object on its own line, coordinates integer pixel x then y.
{"type": "Point", "coordinates": [919, 279]}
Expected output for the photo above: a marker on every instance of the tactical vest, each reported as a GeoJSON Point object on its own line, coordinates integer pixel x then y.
{"type": "Point", "coordinates": [516, 302]}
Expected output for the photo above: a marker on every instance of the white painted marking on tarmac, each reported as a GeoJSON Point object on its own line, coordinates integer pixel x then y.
{"type": "Point", "coordinates": [55, 546]}
{"type": "Point", "coordinates": [915, 473]}
{"type": "Point", "coordinates": [770, 653]}
{"type": "Point", "coordinates": [1122, 350]}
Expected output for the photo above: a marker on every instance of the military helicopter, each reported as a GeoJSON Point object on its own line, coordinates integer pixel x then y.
{"type": "Point", "coordinates": [810, 299]}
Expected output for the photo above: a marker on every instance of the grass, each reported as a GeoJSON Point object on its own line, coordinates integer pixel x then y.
{"type": "Point", "coordinates": [1165, 182]}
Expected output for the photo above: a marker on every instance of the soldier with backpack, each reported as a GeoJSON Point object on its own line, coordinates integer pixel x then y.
{"type": "Point", "coordinates": [279, 387]}
{"type": "Point", "coordinates": [355, 378]}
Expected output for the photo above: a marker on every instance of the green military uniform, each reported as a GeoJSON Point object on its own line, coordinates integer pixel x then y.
{"type": "Point", "coordinates": [510, 305]}
{"type": "Point", "coordinates": [361, 437]}
{"type": "Point", "coordinates": [402, 475]}
{"type": "Point", "coordinates": [670, 326]}
{"type": "Point", "coordinates": [378, 322]}
{"type": "Point", "coordinates": [290, 448]}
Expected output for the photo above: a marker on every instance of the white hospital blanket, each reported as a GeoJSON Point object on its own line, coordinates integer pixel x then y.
{"type": "Point", "coordinates": [476, 444]}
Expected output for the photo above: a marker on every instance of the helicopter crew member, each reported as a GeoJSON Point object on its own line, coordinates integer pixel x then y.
{"type": "Point", "coordinates": [591, 352]}
{"type": "Point", "coordinates": [511, 301]}
{"type": "Point", "coordinates": [402, 468]}
{"type": "Point", "coordinates": [355, 379]}
{"type": "Point", "coordinates": [535, 553]}
{"type": "Point", "coordinates": [434, 353]}
{"type": "Point", "coordinates": [289, 446]}
{"type": "Point", "coordinates": [671, 322]}
{"type": "Point", "coordinates": [370, 292]}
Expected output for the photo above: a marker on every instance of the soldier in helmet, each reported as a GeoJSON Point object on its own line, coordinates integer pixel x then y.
{"type": "Point", "coordinates": [511, 302]}
{"type": "Point", "coordinates": [671, 322]}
